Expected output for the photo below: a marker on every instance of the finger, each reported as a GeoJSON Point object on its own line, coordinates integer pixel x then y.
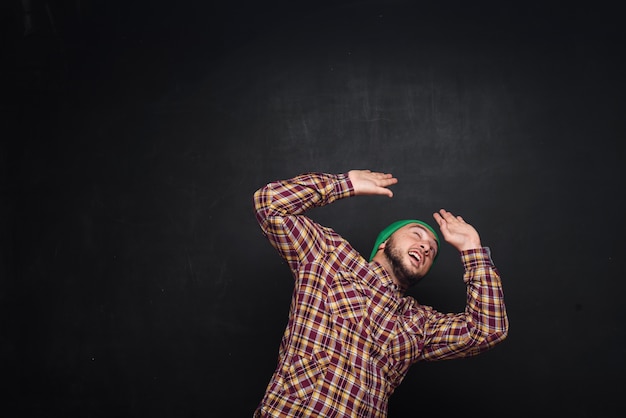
{"type": "Point", "coordinates": [448, 216]}
{"type": "Point", "coordinates": [439, 219]}
{"type": "Point", "coordinates": [387, 182]}
{"type": "Point", "coordinates": [384, 180]}
{"type": "Point", "coordinates": [383, 176]}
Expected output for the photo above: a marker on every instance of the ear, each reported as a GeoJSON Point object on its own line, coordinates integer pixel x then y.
{"type": "Point", "coordinates": [382, 245]}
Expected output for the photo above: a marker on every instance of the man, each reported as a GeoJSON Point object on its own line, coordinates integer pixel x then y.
{"type": "Point", "coordinates": [352, 334]}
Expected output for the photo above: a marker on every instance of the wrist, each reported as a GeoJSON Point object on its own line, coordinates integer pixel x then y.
{"type": "Point", "coordinates": [474, 245]}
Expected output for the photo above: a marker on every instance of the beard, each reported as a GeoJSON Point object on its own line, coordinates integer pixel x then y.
{"type": "Point", "coordinates": [405, 276]}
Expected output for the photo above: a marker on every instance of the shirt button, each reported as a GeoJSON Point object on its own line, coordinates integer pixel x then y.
{"type": "Point", "coordinates": [386, 308]}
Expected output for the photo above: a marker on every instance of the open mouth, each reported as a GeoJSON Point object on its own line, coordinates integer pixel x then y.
{"type": "Point", "coordinates": [416, 256]}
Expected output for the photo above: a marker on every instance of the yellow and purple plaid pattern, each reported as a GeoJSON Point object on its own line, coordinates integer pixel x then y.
{"type": "Point", "coordinates": [351, 335]}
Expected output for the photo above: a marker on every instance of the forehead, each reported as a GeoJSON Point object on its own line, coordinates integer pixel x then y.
{"type": "Point", "coordinates": [418, 227]}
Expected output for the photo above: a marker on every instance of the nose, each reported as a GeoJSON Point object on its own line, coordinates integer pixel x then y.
{"type": "Point", "coordinates": [429, 247]}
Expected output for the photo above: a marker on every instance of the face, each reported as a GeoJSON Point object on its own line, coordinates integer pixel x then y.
{"type": "Point", "coordinates": [411, 251]}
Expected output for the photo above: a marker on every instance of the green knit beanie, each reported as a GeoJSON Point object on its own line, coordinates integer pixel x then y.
{"type": "Point", "coordinates": [386, 233]}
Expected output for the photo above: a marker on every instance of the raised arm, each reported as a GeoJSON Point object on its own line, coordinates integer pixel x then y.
{"type": "Point", "coordinates": [280, 207]}
{"type": "Point", "coordinates": [484, 323]}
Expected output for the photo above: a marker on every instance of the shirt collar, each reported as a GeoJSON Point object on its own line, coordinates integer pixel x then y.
{"type": "Point", "coordinates": [383, 276]}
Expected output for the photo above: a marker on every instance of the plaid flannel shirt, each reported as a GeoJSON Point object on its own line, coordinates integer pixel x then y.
{"type": "Point", "coordinates": [352, 335]}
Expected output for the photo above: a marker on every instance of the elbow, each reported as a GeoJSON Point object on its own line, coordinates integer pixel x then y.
{"type": "Point", "coordinates": [500, 336]}
{"type": "Point", "coordinates": [499, 333]}
{"type": "Point", "coordinates": [486, 337]}
{"type": "Point", "coordinates": [258, 198]}
{"type": "Point", "coordinates": [260, 205]}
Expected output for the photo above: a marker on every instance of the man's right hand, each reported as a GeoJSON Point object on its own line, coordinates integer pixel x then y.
{"type": "Point", "coordinates": [367, 182]}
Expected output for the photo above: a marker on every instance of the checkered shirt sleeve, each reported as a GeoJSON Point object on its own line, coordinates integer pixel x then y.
{"type": "Point", "coordinates": [482, 325]}
{"type": "Point", "coordinates": [278, 205]}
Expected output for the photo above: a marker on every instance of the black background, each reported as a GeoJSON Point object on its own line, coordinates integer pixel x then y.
{"type": "Point", "coordinates": [134, 279]}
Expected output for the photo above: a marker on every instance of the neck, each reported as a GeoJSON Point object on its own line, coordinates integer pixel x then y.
{"type": "Point", "coordinates": [381, 259]}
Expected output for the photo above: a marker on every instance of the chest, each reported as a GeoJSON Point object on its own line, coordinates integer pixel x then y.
{"type": "Point", "coordinates": [362, 314]}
